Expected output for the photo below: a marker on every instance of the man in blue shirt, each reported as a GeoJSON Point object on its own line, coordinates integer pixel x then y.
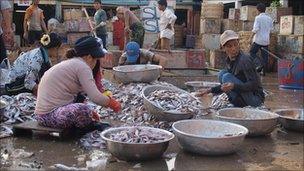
{"type": "Point", "coordinates": [100, 18]}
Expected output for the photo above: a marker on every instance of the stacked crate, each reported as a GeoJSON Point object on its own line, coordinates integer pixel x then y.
{"type": "Point", "coordinates": [290, 42]}
{"type": "Point", "coordinates": [210, 25]}
{"type": "Point", "coordinates": [76, 25]}
{"type": "Point", "coordinates": [275, 13]}
{"type": "Point", "coordinates": [178, 35]}
{"type": "Point", "coordinates": [233, 22]}
{"type": "Point", "coordinates": [248, 14]}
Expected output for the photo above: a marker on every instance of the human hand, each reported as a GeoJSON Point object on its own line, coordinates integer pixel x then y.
{"type": "Point", "coordinates": [114, 104]}
{"type": "Point", "coordinates": [202, 92]}
{"type": "Point", "coordinates": [226, 87]}
{"type": "Point", "coordinates": [95, 116]}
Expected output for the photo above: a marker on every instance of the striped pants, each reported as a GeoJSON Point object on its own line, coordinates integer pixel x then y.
{"type": "Point", "coordinates": [77, 115]}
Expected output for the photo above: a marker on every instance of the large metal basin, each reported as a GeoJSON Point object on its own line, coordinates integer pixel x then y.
{"type": "Point", "coordinates": [258, 122]}
{"type": "Point", "coordinates": [196, 85]}
{"type": "Point", "coordinates": [291, 119]}
{"type": "Point", "coordinates": [209, 137]}
{"type": "Point", "coordinates": [159, 113]}
{"type": "Point", "coordinates": [137, 73]}
{"type": "Point", "coordinates": [136, 151]}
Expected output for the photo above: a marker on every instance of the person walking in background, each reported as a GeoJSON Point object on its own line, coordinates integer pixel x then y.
{"type": "Point", "coordinates": [6, 31]}
{"type": "Point", "coordinates": [134, 29]}
{"type": "Point", "coordinates": [100, 19]}
{"type": "Point", "coordinates": [33, 24]}
{"type": "Point", "coordinates": [166, 24]}
{"type": "Point", "coordinates": [262, 26]}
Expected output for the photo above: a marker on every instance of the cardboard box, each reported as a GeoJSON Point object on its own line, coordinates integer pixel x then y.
{"type": "Point", "coordinates": [276, 12]}
{"type": "Point", "coordinates": [290, 44]}
{"type": "Point", "coordinates": [74, 36]}
{"type": "Point", "coordinates": [247, 25]}
{"type": "Point", "coordinates": [244, 40]}
{"type": "Point", "coordinates": [299, 25]}
{"type": "Point", "coordinates": [196, 58]}
{"type": "Point", "coordinates": [211, 41]}
{"type": "Point", "coordinates": [234, 14]}
{"type": "Point", "coordinates": [287, 25]}
{"type": "Point", "coordinates": [248, 13]}
{"type": "Point", "coordinates": [175, 58]}
{"type": "Point", "coordinates": [212, 10]}
{"type": "Point", "coordinates": [235, 25]}
{"type": "Point", "coordinates": [217, 59]}
{"type": "Point", "coordinates": [210, 26]}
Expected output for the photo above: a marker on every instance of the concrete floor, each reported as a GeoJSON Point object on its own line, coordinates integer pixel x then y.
{"type": "Point", "coordinates": [282, 150]}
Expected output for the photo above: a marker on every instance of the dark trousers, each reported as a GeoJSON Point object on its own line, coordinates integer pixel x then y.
{"type": "Point", "coordinates": [34, 36]}
{"type": "Point", "coordinates": [2, 49]}
{"type": "Point", "coordinates": [103, 37]}
{"type": "Point", "coordinates": [256, 60]}
{"type": "Point", "coordinates": [239, 99]}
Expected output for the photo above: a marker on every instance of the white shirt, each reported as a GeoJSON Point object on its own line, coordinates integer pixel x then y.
{"type": "Point", "coordinates": [262, 26]}
{"type": "Point", "coordinates": [167, 17]}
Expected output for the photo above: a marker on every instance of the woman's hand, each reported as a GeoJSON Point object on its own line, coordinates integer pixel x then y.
{"type": "Point", "coordinates": [114, 104]}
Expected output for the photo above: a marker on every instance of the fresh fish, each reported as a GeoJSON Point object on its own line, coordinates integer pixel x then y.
{"type": "Point", "coordinates": [175, 101]}
{"type": "Point", "coordinates": [92, 140]}
{"type": "Point", "coordinates": [138, 135]}
{"type": "Point", "coordinates": [5, 131]}
{"type": "Point", "coordinates": [20, 108]}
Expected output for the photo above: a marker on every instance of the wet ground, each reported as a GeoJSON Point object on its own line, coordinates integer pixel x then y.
{"type": "Point", "coordinates": [282, 150]}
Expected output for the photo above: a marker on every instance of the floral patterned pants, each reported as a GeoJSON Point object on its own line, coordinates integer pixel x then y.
{"type": "Point", "coordinates": [77, 115]}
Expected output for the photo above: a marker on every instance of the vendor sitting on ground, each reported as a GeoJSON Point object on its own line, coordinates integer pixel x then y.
{"type": "Point", "coordinates": [239, 80]}
{"type": "Point", "coordinates": [135, 55]}
{"type": "Point", "coordinates": [29, 67]}
{"type": "Point", "coordinates": [61, 84]}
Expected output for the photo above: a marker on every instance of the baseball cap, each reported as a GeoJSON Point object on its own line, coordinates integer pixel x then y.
{"type": "Point", "coordinates": [228, 35]}
{"type": "Point", "coordinates": [132, 50]}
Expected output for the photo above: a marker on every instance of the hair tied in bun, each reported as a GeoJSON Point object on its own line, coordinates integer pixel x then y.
{"type": "Point", "coordinates": [45, 40]}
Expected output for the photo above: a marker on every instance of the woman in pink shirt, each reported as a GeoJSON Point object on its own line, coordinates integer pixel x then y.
{"type": "Point", "coordinates": [60, 85]}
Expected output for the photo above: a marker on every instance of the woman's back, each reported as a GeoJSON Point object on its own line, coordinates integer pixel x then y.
{"type": "Point", "coordinates": [61, 84]}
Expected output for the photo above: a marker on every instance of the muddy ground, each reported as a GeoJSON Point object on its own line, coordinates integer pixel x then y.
{"type": "Point", "coordinates": [282, 150]}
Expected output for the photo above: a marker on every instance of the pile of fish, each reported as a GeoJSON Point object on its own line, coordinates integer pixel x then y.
{"type": "Point", "coordinates": [20, 108]}
{"type": "Point", "coordinates": [92, 140]}
{"type": "Point", "coordinates": [175, 101]}
{"type": "Point", "coordinates": [133, 113]}
{"type": "Point", "coordinates": [138, 135]}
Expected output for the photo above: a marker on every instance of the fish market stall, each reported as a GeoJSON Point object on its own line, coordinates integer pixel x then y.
{"type": "Point", "coordinates": [272, 151]}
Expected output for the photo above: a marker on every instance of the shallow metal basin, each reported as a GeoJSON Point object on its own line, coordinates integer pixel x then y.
{"type": "Point", "coordinates": [196, 85]}
{"type": "Point", "coordinates": [291, 119]}
{"type": "Point", "coordinates": [137, 73]}
{"type": "Point", "coordinates": [209, 137]}
{"type": "Point", "coordinates": [258, 122]}
{"type": "Point", "coordinates": [156, 111]}
{"type": "Point", "coordinates": [136, 151]}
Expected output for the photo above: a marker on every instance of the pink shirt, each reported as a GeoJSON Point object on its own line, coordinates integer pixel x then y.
{"type": "Point", "coordinates": [60, 85]}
